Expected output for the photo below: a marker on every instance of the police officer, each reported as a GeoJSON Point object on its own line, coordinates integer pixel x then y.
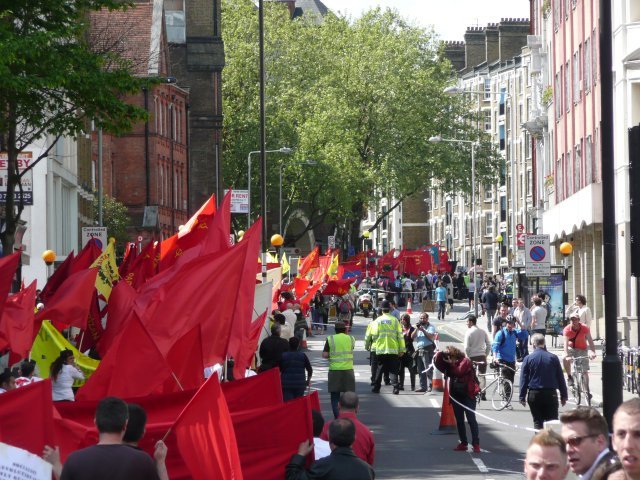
{"type": "Point", "coordinates": [339, 350]}
{"type": "Point", "coordinates": [385, 336]}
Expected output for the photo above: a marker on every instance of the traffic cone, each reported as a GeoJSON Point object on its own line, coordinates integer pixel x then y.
{"type": "Point", "coordinates": [437, 383]}
{"type": "Point", "coordinates": [409, 310]}
{"type": "Point", "coordinates": [447, 418]}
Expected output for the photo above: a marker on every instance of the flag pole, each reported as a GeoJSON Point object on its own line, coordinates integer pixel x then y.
{"type": "Point", "coordinates": [178, 382]}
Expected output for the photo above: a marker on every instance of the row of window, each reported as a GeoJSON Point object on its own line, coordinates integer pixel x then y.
{"type": "Point", "coordinates": [583, 76]}
{"type": "Point", "coordinates": [575, 169]}
{"type": "Point", "coordinates": [162, 117]}
{"type": "Point", "coordinates": [164, 186]}
{"type": "Point", "coordinates": [558, 7]}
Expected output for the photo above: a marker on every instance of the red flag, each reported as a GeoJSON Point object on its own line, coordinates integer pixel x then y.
{"type": "Point", "coordinates": [94, 331]}
{"type": "Point", "coordinates": [243, 310]}
{"type": "Point", "coordinates": [185, 361]}
{"type": "Point", "coordinates": [57, 277]}
{"type": "Point", "coordinates": [314, 401]}
{"type": "Point", "coordinates": [25, 417]}
{"type": "Point", "coordinates": [206, 438]}
{"type": "Point", "coordinates": [86, 257]}
{"type": "Point", "coordinates": [130, 254]}
{"type": "Point", "coordinates": [133, 367]}
{"type": "Point", "coordinates": [71, 436]}
{"type": "Point", "coordinates": [285, 427]}
{"type": "Point", "coordinates": [71, 303]}
{"type": "Point", "coordinates": [308, 297]}
{"type": "Point", "coordinates": [203, 291]}
{"type": "Point", "coordinates": [310, 261]}
{"type": "Point", "coordinates": [16, 326]}
{"type": "Point", "coordinates": [240, 394]}
{"type": "Point", "coordinates": [190, 235]}
{"type": "Point", "coordinates": [300, 286]}
{"type": "Point", "coordinates": [120, 309]}
{"type": "Point", "coordinates": [338, 287]}
{"type": "Point", "coordinates": [142, 268]}
{"type": "Point", "coordinates": [249, 346]}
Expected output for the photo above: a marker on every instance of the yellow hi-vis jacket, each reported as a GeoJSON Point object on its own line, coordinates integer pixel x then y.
{"type": "Point", "coordinates": [341, 348]}
{"type": "Point", "coordinates": [385, 336]}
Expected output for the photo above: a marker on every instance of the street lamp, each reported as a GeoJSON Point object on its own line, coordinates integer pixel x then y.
{"type": "Point", "coordinates": [285, 150]}
{"type": "Point", "coordinates": [455, 90]}
{"type": "Point", "coordinates": [566, 249]}
{"type": "Point", "coordinates": [499, 242]}
{"type": "Point", "coordinates": [438, 139]}
{"type": "Point", "coordinates": [49, 256]}
{"type": "Point", "coordinates": [306, 162]}
{"type": "Point", "coordinates": [366, 236]}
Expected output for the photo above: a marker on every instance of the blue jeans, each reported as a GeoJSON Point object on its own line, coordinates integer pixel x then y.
{"type": "Point", "coordinates": [441, 309]}
{"type": "Point", "coordinates": [423, 361]}
{"type": "Point", "coordinates": [460, 413]}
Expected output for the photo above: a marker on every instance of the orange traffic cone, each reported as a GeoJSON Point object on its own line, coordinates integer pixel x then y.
{"type": "Point", "coordinates": [447, 418]}
{"type": "Point", "coordinates": [409, 310]}
{"type": "Point", "coordinates": [437, 382]}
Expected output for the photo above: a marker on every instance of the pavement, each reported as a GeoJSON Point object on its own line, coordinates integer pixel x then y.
{"type": "Point", "coordinates": [405, 426]}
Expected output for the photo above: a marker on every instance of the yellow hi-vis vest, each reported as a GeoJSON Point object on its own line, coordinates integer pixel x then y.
{"type": "Point", "coordinates": [341, 348]}
{"type": "Point", "coordinates": [385, 335]}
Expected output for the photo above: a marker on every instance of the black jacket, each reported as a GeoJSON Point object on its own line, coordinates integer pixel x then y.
{"type": "Point", "coordinates": [271, 350]}
{"type": "Point", "coordinates": [342, 464]}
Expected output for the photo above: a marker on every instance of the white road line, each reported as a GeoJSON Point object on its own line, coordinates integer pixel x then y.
{"type": "Point", "coordinates": [480, 464]}
{"type": "Point", "coordinates": [434, 403]}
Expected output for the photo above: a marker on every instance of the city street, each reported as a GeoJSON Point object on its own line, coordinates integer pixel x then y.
{"type": "Point", "coordinates": [403, 424]}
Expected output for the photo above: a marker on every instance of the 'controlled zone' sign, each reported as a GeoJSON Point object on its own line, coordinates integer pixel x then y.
{"type": "Point", "coordinates": [537, 260]}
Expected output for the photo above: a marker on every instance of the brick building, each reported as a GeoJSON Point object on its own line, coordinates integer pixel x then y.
{"type": "Point", "coordinates": [147, 169]}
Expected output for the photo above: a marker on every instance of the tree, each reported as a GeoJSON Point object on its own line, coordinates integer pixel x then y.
{"type": "Point", "coordinates": [53, 81]}
{"type": "Point", "coordinates": [359, 98]}
{"type": "Point", "coordinates": [115, 216]}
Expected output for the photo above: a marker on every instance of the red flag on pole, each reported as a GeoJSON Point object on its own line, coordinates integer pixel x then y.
{"type": "Point", "coordinates": [71, 303]}
{"type": "Point", "coordinates": [249, 346]}
{"type": "Point", "coordinates": [185, 361]}
{"type": "Point", "coordinates": [206, 437]}
{"type": "Point", "coordinates": [240, 394]}
{"type": "Point", "coordinates": [57, 277]}
{"type": "Point", "coordinates": [25, 417]}
{"type": "Point", "coordinates": [310, 261]}
{"type": "Point", "coordinates": [300, 286]}
{"type": "Point", "coordinates": [16, 326]}
{"type": "Point", "coordinates": [142, 268]}
{"type": "Point", "coordinates": [120, 309]}
{"type": "Point", "coordinates": [133, 367]}
{"type": "Point", "coordinates": [86, 257]}
{"type": "Point", "coordinates": [338, 287]}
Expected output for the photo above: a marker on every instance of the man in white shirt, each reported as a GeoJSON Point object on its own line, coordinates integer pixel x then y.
{"type": "Point", "coordinates": [538, 317]}
{"type": "Point", "coordinates": [477, 346]}
{"type": "Point", "coordinates": [290, 318]}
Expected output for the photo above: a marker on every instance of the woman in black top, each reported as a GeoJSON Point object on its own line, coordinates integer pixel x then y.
{"type": "Point", "coordinates": [406, 361]}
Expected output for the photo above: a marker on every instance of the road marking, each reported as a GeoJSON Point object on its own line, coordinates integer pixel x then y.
{"type": "Point", "coordinates": [434, 403]}
{"type": "Point", "coordinates": [480, 464]}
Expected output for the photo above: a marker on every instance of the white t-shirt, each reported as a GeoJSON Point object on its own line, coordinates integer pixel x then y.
{"type": "Point", "coordinates": [61, 387]}
{"type": "Point", "coordinates": [321, 448]}
{"type": "Point", "coordinates": [539, 317]}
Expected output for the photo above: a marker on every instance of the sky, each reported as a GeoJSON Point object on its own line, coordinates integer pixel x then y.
{"type": "Point", "coordinates": [450, 18]}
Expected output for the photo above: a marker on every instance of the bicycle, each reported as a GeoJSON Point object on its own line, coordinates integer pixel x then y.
{"type": "Point", "coordinates": [502, 387]}
{"type": "Point", "coordinates": [580, 380]}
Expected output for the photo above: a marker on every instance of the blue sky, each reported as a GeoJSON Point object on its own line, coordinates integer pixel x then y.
{"type": "Point", "coordinates": [449, 18]}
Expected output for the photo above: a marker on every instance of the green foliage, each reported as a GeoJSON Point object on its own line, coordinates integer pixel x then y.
{"type": "Point", "coordinates": [53, 79]}
{"type": "Point", "coordinates": [360, 98]}
{"type": "Point", "coordinates": [115, 217]}
{"type": "Point", "coordinates": [547, 95]}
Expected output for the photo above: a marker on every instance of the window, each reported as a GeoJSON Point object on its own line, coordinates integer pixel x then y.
{"type": "Point", "coordinates": [448, 212]}
{"type": "Point", "coordinates": [503, 208]}
{"type": "Point", "coordinates": [501, 134]}
{"type": "Point", "coordinates": [384, 218]}
{"type": "Point", "coordinates": [594, 59]}
{"type": "Point", "coordinates": [587, 65]}
{"type": "Point", "coordinates": [558, 94]}
{"type": "Point", "coordinates": [559, 180]}
{"type": "Point", "coordinates": [529, 182]}
{"type": "Point", "coordinates": [488, 223]}
{"type": "Point", "coordinates": [567, 9]}
{"type": "Point", "coordinates": [488, 195]}
{"type": "Point", "coordinates": [567, 86]}
{"type": "Point", "coordinates": [487, 120]}
{"type": "Point", "coordinates": [456, 227]}
{"type": "Point", "coordinates": [488, 255]}
{"type": "Point", "coordinates": [487, 89]}
{"type": "Point", "coordinates": [576, 77]}
{"type": "Point", "coordinates": [175, 21]}
{"type": "Point", "coordinates": [557, 14]}
{"type": "Point", "coordinates": [503, 94]}
{"type": "Point", "coordinates": [588, 173]}
{"type": "Point", "coordinates": [577, 166]}
{"type": "Point", "coordinates": [568, 176]}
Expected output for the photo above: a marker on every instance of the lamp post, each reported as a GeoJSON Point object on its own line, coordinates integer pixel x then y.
{"type": "Point", "coordinates": [365, 238]}
{"type": "Point", "coordinates": [566, 249]}
{"type": "Point", "coordinates": [499, 242]}
{"type": "Point", "coordinates": [285, 150]}
{"type": "Point", "coordinates": [49, 256]}
{"type": "Point", "coordinates": [306, 162]}
{"type": "Point", "coordinates": [438, 139]}
{"type": "Point", "coordinates": [276, 242]}
{"type": "Point", "coordinates": [454, 90]}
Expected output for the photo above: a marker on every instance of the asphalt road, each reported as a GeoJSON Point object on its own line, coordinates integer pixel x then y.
{"type": "Point", "coordinates": [404, 425]}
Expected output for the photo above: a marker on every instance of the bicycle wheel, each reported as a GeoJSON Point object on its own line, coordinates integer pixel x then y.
{"type": "Point", "coordinates": [577, 388]}
{"type": "Point", "coordinates": [502, 393]}
{"type": "Point", "coordinates": [585, 390]}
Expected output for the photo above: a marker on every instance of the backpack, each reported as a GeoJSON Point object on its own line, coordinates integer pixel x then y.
{"type": "Point", "coordinates": [344, 307]}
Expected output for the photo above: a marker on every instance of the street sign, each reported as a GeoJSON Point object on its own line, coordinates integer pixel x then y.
{"type": "Point", "coordinates": [239, 201]}
{"type": "Point", "coordinates": [26, 178]}
{"type": "Point", "coordinates": [331, 241]}
{"type": "Point", "coordinates": [537, 257]}
{"type": "Point", "coordinates": [520, 228]}
{"type": "Point", "coordinates": [99, 233]}
{"type": "Point", "coordinates": [520, 239]}
{"type": "Point", "coordinates": [520, 258]}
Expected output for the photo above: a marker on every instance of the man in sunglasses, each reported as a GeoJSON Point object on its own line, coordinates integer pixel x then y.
{"type": "Point", "coordinates": [586, 434]}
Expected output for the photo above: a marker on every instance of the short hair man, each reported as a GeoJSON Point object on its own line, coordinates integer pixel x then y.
{"type": "Point", "coordinates": [626, 437]}
{"type": "Point", "coordinates": [586, 434]}
{"type": "Point", "coordinates": [364, 445]}
{"type": "Point", "coordinates": [338, 349]}
{"type": "Point", "coordinates": [477, 346]}
{"type": "Point", "coordinates": [136, 428]}
{"type": "Point", "coordinates": [110, 458]}
{"type": "Point", "coordinates": [7, 381]}
{"type": "Point", "coordinates": [541, 377]}
{"type": "Point", "coordinates": [342, 463]}
{"type": "Point", "coordinates": [546, 457]}
{"type": "Point", "coordinates": [272, 348]}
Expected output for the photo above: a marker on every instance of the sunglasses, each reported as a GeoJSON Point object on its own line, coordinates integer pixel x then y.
{"type": "Point", "coordinates": [576, 441]}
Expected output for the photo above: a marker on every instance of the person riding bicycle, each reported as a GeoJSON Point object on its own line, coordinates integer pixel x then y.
{"type": "Point", "coordinates": [504, 347]}
{"type": "Point", "coordinates": [577, 338]}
